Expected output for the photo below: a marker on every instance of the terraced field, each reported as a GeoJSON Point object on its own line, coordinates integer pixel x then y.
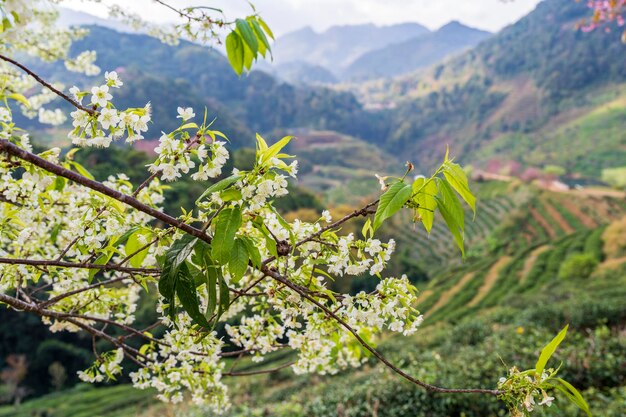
{"type": "Point", "coordinates": [557, 228]}
{"type": "Point", "coordinates": [510, 219]}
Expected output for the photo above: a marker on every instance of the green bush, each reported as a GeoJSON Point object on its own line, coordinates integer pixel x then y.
{"type": "Point", "coordinates": [578, 266]}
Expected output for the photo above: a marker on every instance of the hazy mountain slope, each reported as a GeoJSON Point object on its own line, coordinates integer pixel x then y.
{"type": "Point", "coordinates": [418, 52]}
{"type": "Point", "coordinates": [339, 46]}
{"type": "Point", "coordinates": [202, 76]}
{"type": "Point", "coordinates": [515, 92]}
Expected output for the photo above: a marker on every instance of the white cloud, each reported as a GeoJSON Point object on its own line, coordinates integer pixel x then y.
{"type": "Point", "coordinates": [287, 15]}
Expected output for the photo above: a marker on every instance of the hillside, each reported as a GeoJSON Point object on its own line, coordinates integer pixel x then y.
{"type": "Point", "coordinates": [488, 310]}
{"type": "Point", "coordinates": [540, 92]}
{"type": "Point", "coordinates": [191, 75]}
{"type": "Point", "coordinates": [419, 52]}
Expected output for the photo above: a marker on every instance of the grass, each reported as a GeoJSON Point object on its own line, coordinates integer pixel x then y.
{"type": "Point", "coordinates": [85, 401]}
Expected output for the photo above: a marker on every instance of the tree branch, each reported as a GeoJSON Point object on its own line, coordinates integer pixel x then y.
{"type": "Point", "coordinates": [16, 151]}
{"type": "Point", "coordinates": [63, 264]}
{"type": "Point", "coordinates": [373, 351]}
{"type": "Point", "coordinates": [48, 85]}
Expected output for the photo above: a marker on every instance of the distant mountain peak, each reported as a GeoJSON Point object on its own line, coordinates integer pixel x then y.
{"type": "Point", "coordinates": [456, 26]}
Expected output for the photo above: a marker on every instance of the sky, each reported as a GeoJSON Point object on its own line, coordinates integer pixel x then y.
{"type": "Point", "coordinates": [287, 15]}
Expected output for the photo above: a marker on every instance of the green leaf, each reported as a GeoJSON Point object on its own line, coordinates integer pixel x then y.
{"type": "Point", "coordinates": [451, 219]}
{"type": "Point", "coordinates": [265, 27]}
{"type": "Point", "coordinates": [224, 295]}
{"type": "Point", "coordinates": [20, 98]}
{"type": "Point", "coordinates": [248, 57]}
{"type": "Point", "coordinates": [186, 292]}
{"type": "Point", "coordinates": [133, 244]}
{"type": "Point", "coordinates": [226, 225]}
{"type": "Point", "coordinates": [238, 260]}
{"type": "Point", "coordinates": [253, 251]}
{"type": "Point", "coordinates": [81, 170]}
{"type": "Point", "coordinates": [261, 144]}
{"type": "Point", "coordinates": [212, 275]}
{"type": "Point", "coordinates": [424, 192]}
{"type": "Point", "coordinates": [273, 150]}
{"type": "Point", "coordinates": [103, 259]}
{"type": "Point", "coordinates": [174, 257]}
{"type": "Point", "coordinates": [219, 186]}
{"type": "Point", "coordinates": [232, 194]}
{"type": "Point", "coordinates": [574, 395]}
{"type": "Point", "coordinates": [235, 51]}
{"type": "Point", "coordinates": [458, 180]}
{"type": "Point", "coordinates": [264, 45]}
{"type": "Point", "coordinates": [390, 202]}
{"type": "Point", "coordinates": [247, 33]}
{"type": "Point", "coordinates": [548, 351]}
{"type": "Point", "coordinates": [451, 202]}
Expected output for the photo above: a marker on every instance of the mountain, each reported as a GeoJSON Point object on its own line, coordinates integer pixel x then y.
{"type": "Point", "coordinates": [336, 48]}
{"type": "Point", "coordinates": [301, 72]}
{"type": "Point", "coordinates": [540, 92]}
{"type": "Point", "coordinates": [418, 52]}
{"type": "Point", "coordinates": [192, 75]}
{"type": "Point", "coordinates": [70, 17]}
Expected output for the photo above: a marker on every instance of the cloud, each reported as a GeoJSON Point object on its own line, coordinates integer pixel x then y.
{"type": "Point", "coordinates": [287, 15]}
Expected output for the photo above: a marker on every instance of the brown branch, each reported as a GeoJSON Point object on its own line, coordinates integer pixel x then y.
{"type": "Point", "coordinates": [260, 372]}
{"type": "Point", "coordinates": [63, 264]}
{"type": "Point", "coordinates": [373, 351]}
{"type": "Point", "coordinates": [16, 151]}
{"type": "Point", "coordinates": [63, 296]}
{"type": "Point", "coordinates": [48, 85]}
{"type": "Point", "coordinates": [35, 309]}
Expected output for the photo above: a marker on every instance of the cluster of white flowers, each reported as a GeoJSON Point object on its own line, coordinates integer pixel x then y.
{"type": "Point", "coordinates": [343, 261]}
{"type": "Point", "coordinates": [84, 63]}
{"type": "Point", "coordinates": [184, 362]}
{"type": "Point", "coordinates": [393, 305]}
{"type": "Point", "coordinates": [531, 390]}
{"type": "Point", "coordinates": [106, 123]}
{"type": "Point", "coordinates": [106, 368]}
{"type": "Point", "coordinates": [257, 333]}
{"type": "Point", "coordinates": [176, 152]}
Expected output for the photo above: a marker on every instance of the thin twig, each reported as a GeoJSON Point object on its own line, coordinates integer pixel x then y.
{"type": "Point", "coordinates": [48, 85]}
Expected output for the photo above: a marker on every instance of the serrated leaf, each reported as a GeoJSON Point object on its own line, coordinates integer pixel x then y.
{"type": "Point", "coordinates": [424, 191]}
{"type": "Point", "coordinates": [174, 257]}
{"type": "Point", "coordinates": [253, 251]}
{"type": "Point", "coordinates": [390, 202]}
{"type": "Point", "coordinates": [219, 186]}
{"type": "Point", "coordinates": [226, 225]}
{"type": "Point", "coordinates": [548, 351]}
{"type": "Point", "coordinates": [451, 222]}
{"type": "Point", "coordinates": [458, 180]}
{"type": "Point", "coordinates": [235, 51]}
{"type": "Point", "coordinates": [188, 296]}
{"type": "Point", "coordinates": [451, 202]}
{"type": "Point", "coordinates": [238, 260]}
{"type": "Point", "coordinates": [247, 33]}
